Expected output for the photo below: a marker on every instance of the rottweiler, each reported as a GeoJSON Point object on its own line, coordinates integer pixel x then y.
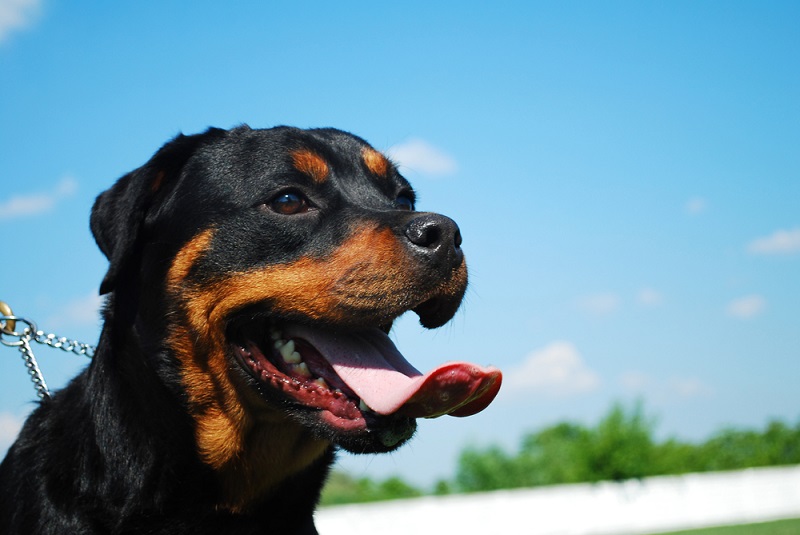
{"type": "Point", "coordinates": [253, 278]}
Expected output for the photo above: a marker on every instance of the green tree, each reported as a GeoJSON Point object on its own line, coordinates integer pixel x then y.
{"type": "Point", "coordinates": [490, 469]}
{"type": "Point", "coordinates": [676, 457]}
{"type": "Point", "coordinates": [621, 446]}
{"type": "Point", "coordinates": [395, 488]}
{"type": "Point", "coordinates": [557, 454]}
{"type": "Point", "coordinates": [731, 448]}
{"type": "Point", "coordinates": [442, 488]}
{"type": "Point", "coordinates": [783, 443]}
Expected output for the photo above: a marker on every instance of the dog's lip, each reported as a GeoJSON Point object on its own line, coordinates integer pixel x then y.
{"type": "Point", "coordinates": [339, 404]}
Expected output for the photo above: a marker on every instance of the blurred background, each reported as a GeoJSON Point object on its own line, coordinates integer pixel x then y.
{"type": "Point", "coordinates": [626, 176]}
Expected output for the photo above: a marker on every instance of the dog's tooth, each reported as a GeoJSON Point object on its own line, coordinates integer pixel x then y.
{"type": "Point", "coordinates": [287, 349]}
{"type": "Point", "coordinates": [279, 344]}
{"type": "Point", "coordinates": [321, 382]}
{"type": "Point", "coordinates": [301, 369]}
{"type": "Point", "coordinates": [363, 406]}
{"type": "Point", "coordinates": [275, 334]}
{"type": "Point", "coordinates": [294, 358]}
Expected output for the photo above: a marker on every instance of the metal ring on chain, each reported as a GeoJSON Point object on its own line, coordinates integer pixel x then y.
{"type": "Point", "coordinates": [9, 320]}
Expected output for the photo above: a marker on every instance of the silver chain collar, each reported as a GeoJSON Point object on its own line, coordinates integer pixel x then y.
{"type": "Point", "coordinates": [11, 337]}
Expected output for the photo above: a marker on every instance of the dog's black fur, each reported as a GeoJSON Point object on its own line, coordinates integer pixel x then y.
{"type": "Point", "coordinates": [218, 237]}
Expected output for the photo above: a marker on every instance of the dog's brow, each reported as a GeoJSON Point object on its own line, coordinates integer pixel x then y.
{"type": "Point", "coordinates": [376, 162]}
{"type": "Point", "coordinates": [312, 164]}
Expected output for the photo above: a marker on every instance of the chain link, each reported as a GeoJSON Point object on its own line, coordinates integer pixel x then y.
{"type": "Point", "coordinates": [37, 378]}
{"type": "Point", "coordinates": [31, 333]}
{"type": "Point", "coordinates": [63, 343]}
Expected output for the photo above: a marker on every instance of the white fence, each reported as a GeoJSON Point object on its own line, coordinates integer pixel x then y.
{"type": "Point", "coordinates": [653, 505]}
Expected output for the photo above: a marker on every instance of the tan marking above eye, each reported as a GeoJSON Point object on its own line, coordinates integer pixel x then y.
{"type": "Point", "coordinates": [310, 163]}
{"type": "Point", "coordinates": [376, 162]}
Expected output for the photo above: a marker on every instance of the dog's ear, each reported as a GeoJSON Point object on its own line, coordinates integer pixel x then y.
{"type": "Point", "coordinates": [119, 212]}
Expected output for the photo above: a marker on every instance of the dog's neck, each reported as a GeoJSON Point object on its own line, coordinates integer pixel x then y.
{"type": "Point", "coordinates": [273, 452]}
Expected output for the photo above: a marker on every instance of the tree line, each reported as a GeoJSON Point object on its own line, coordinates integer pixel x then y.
{"type": "Point", "coordinates": [622, 445]}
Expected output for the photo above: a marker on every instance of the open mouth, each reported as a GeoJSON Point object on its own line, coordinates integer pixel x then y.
{"type": "Point", "coordinates": [354, 379]}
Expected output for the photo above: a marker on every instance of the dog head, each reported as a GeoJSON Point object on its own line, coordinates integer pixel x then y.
{"type": "Point", "coordinates": [267, 267]}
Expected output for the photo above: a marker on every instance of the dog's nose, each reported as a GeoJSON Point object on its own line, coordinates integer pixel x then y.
{"type": "Point", "coordinates": [436, 237]}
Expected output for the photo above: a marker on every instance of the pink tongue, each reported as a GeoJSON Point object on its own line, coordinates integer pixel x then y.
{"type": "Point", "coordinates": [374, 369]}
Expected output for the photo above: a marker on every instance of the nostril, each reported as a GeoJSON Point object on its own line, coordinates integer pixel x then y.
{"type": "Point", "coordinates": [424, 233]}
{"type": "Point", "coordinates": [436, 236]}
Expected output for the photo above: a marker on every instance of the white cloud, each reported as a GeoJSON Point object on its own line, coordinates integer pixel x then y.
{"type": "Point", "coordinates": [695, 206]}
{"type": "Point", "coordinates": [746, 307]}
{"type": "Point", "coordinates": [601, 304]}
{"type": "Point", "coordinates": [25, 205]}
{"type": "Point", "coordinates": [17, 15]}
{"type": "Point", "coordinates": [422, 157]}
{"type": "Point", "coordinates": [38, 203]}
{"type": "Point", "coordinates": [779, 242]}
{"type": "Point", "coordinates": [557, 370]}
{"type": "Point", "coordinates": [649, 297]}
{"type": "Point", "coordinates": [83, 311]}
{"type": "Point", "coordinates": [9, 429]}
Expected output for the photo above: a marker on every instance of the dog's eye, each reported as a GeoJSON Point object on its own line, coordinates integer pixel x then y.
{"type": "Point", "coordinates": [404, 202]}
{"type": "Point", "coordinates": [289, 203]}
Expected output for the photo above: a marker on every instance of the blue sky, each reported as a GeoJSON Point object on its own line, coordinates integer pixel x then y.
{"type": "Point", "coordinates": [626, 176]}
